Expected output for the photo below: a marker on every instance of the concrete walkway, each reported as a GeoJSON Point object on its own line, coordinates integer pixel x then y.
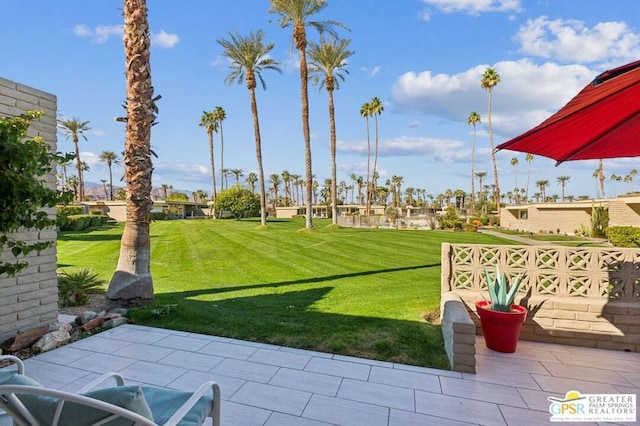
{"type": "Point", "coordinates": [274, 385]}
{"type": "Point", "coordinates": [517, 238]}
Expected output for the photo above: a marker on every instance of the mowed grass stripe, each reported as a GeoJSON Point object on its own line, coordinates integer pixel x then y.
{"type": "Point", "coordinates": [350, 291]}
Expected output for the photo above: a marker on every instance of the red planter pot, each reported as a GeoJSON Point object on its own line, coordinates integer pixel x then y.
{"type": "Point", "coordinates": [501, 329]}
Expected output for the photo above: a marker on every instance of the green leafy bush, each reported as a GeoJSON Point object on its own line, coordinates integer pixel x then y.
{"type": "Point", "coordinates": [450, 219]}
{"type": "Point", "coordinates": [599, 221]}
{"type": "Point", "coordinates": [74, 287]}
{"type": "Point", "coordinates": [158, 215]}
{"type": "Point", "coordinates": [24, 164]}
{"type": "Point", "coordinates": [623, 236]}
{"type": "Point", "coordinates": [69, 210]}
{"type": "Point", "coordinates": [483, 220]}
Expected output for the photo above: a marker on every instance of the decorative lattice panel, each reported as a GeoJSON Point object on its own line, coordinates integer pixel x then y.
{"type": "Point", "coordinates": [547, 270]}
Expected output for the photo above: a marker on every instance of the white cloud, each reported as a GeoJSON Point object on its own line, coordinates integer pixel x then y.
{"type": "Point", "coordinates": [99, 133]}
{"type": "Point", "coordinates": [526, 95]}
{"type": "Point", "coordinates": [444, 150]}
{"type": "Point", "coordinates": [372, 71]}
{"type": "Point", "coordinates": [473, 7]}
{"type": "Point", "coordinates": [164, 39]}
{"type": "Point", "coordinates": [571, 40]}
{"type": "Point", "coordinates": [100, 34]}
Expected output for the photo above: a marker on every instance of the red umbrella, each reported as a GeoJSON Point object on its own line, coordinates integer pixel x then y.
{"type": "Point", "coordinates": [602, 121]}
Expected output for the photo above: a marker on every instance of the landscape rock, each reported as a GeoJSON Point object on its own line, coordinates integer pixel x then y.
{"type": "Point", "coordinates": [121, 311]}
{"type": "Point", "coordinates": [85, 317]}
{"type": "Point", "coordinates": [114, 322]}
{"type": "Point", "coordinates": [51, 341]}
{"type": "Point", "coordinates": [23, 340]}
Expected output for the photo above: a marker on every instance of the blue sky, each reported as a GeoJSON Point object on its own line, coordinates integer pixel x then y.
{"type": "Point", "coordinates": [422, 58]}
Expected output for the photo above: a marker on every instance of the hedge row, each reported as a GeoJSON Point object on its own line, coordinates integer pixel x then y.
{"type": "Point", "coordinates": [81, 221]}
{"type": "Point", "coordinates": [623, 236]}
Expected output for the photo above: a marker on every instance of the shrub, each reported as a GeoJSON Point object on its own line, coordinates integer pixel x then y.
{"type": "Point", "coordinates": [483, 220]}
{"type": "Point", "coordinates": [450, 219]}
{"type": "Point", "coordinates": [98, 221]}
{"type": "Point", "coordinates": [70, 210]}
{"type": "Point", "coordinates": [74, 287]}
{"type": "Point", "coordinates": [623, 236]}
{"type": "Point", "coordinates": [77, 222]}
{"type": "Point", "coordinates": [158, 215]}
{"type": "Point", "coordinates": [599, 221]}
{"type": "Point", "coordinates": [470, 227]}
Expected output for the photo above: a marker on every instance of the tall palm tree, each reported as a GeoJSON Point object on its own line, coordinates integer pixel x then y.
{"type": "Point", "coordinates": [375, 108]}
{"type": "Point", "coordinates": [480, 176]}
{"type": "Point", "coordinates": [249, 56]}
{"type": "Point", "coordinates": [74, 128]}
{"type": "Point", "coordinates": [562, 181]}
{"type": "Point", "coordinates": [365, 111]}
{"type": "Point", "coordinates": [219, 115]}
{"type": "Point", "coordinates": [542, 184]}
{"type": "Point", "coordinates": [514, 163]}
{"type": "Point", "coordinates": [274, 178]}
{"type": "Point", "coordinates": [237, 174]}
{"type": "Point", "coordinates": [286, 179]}
{"type": "Point", "coordinates": [490, 79]}
{"type": "Point", "coordinates": [528, 158]}
{"type": "Point", "coordinates": [472, 120]}
{"type": "Point", "coordinates": [328, 61]}
{"type": "Point", "coordinates": [110, 158]}
{"type": "Point", "coordinates": [132, 284]}
{"type": "Point", "coordinates": [251, 179]}
{"type": "Point", "coordinates": [210, 123]}
{"type": "Point", "coordinates": [599, 174]}
{"type": "Point", "coordinates": [296, 13]}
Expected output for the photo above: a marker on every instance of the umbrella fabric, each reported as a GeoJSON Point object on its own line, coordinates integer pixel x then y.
{"type": "Point", "coordinates": [602, 121]}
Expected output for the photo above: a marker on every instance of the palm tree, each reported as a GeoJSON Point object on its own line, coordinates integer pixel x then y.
{"type": "Point", "coordinates": [165, 190]}
{"type": "Point", "coordinates": [375, 108]}
{"type": "Point", "coordinates": [251, 179]}
{"type": "Point", "coordinates": [599, 174]}
{"type": "Point", "coordinates": [132, 284]}
{"type": "Point", "coordinates": [210, 123]}
{"type": "Point", "coordinates": [296, 13]}
{"type": "Point", "coordinates": [490, 79]}
{"type": "Point", "coordinates": [237, 174]}
{"type": "Point", "coordinates": [396, 181]}
{"type": "Point", "coordinates": [472, 120]}
{"type": "Point", "coordinates": [360, 183]}
{"type": "Point", "coordinates": [110, 158]}
{"type": "Point", "coordinates": [480, 176]}
{"type": "Point", "coordinates": [562, 181]}
{"type": "Point", "coordinates": [542, 184]}
{"type": "Point", "coordinates": [104, 187]}
{"type": "Point", "coordinates": [528, 158]}
{"type": "Point", "coordinates": [274, 178]}
{"type": "Point", "coordinates": [74, 128]}
{"type": "Point", "coordinates": [514, 163]}
{"type": "Point", "coordinates": [249, 57]}
{"type": "Point", "coordinates": [286, 179]}
{"type": "Point", "coordinates": [219, 115]}
{"type": "Point", "coordinates": [365, 111]}
{"type": "Point", "coordinates": [328, 61]}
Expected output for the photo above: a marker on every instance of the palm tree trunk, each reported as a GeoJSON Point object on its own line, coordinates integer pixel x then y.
{"type": "Point", "coordinates": [131, 284]}
{"type": "Point", "coordinates": [334, 176]}
{"type": "Point", "coordinates": [493, 157]}
{"type": "Point", "coordinates": [366, 209]}
{"type": "Point", "coordinates": [473, 179]}
{"type": "Point", "coordinates": [110, 183]}
{"type": "Point", "coordinates": [256, 131]}
{"type": "Point", "coordinates": [221, 158]}
{"type": "Point", "coordinates": [375, 162]}
{"type": "Point", "coordinates": [79, 167]}
{"type": "Point", "coordinates": [305, 131]}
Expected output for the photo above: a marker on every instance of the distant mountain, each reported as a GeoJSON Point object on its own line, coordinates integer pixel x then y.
{"type": "Point", "coordinates": [96, 191]}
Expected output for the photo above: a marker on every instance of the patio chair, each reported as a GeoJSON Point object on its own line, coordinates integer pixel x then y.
{"type": "Point", "coordinates": [30, 404]}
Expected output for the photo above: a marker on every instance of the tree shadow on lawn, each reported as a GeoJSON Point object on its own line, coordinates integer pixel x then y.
{"type": "Point", "coordinates": [314, 280]}
{"type": "Point", "coordinates": [290, 319]}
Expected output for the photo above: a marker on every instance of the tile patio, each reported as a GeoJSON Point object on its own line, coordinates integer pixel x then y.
{"type": "Point", "coordinates": [273, 385]}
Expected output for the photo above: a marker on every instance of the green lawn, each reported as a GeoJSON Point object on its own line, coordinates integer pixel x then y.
{"type": "Point", "coordinates": [356, 292]}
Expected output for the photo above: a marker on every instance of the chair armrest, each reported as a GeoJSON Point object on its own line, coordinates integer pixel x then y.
{"type": "Point", "coordinates": [89, 386]}
{"type": "Point", "coordinates": [15, 360]}
{"type": "Point", "coordinates": [10, 390]}
{"type": "Point", "coordinates": [189, 403]}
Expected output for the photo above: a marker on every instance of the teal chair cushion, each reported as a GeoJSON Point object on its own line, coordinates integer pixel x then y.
{"type": "Point", "coordinates": [165, 402]}
{"type": "Point", "coordinates": [43, 408]}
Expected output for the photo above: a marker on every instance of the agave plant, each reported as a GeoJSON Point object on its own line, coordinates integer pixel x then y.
{"type": "Point", "coordinates": [74, 287]}
{"type": "Point", "coordinates": [501, 294]}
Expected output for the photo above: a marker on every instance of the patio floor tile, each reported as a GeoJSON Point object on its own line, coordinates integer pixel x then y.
{"type": "Point", "coordinates": [272, 385]}
{"type": "Point", "coordinates": [274, 398]}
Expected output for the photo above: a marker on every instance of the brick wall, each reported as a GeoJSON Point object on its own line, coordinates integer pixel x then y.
{"type": "Point", "coordinates": [30, 299]}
